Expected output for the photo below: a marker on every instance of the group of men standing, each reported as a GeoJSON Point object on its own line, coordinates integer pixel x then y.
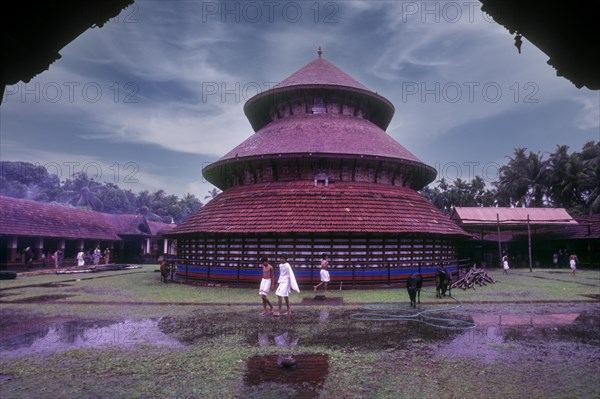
{"type": "Point", "coordinates": [93, 256]}
{"type": "Point", "coordinates": [286, 283]}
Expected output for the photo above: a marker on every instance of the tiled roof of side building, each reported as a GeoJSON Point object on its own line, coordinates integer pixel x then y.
{"type": "Point", "coordinates": [321, 134]}
{"type": "Point", "coordinates": [158, 228]}
{"type": "Point", "coordinates": [512, 216]}
{"type": "Point", "coordinates": [299, 207]}
{"type": "Point", "coordinates": [587, 227]}
{"type": "Point", "coordinates": [19, 217]}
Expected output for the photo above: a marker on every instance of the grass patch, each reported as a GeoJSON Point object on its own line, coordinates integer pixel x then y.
{"type": "Point", "coordinates": [144, 286]}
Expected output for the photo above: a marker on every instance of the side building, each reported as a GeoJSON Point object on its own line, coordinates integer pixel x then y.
{"type": "Point", "coordinates": [535, 237]}
{"type": "Point", "coordinates": [46, 228]}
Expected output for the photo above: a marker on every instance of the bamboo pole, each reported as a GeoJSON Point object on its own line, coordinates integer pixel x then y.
{"type": "Point", "coordinates": [529, 244]}
{"type": "Point", "coordinates": [499, 244]}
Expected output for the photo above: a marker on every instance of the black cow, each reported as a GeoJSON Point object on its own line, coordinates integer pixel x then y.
{"type": "Point", "coordinates": [413, 286]}
{"type": "Point", "coordinates": [443, 282]}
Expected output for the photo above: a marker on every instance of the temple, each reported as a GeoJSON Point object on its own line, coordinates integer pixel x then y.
{"type": "Point", "coordinates": [319, 175]}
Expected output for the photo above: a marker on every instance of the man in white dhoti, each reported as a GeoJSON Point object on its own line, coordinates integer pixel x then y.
{"type": "Point", "coordinates": [80, 259]}
{"type": "Point", "coordinates": [324, 274]}
{"type": "Point", "coordinates": [287, 282]}
{"type": "Point", "coordinates": [266, 284]}
{"type": "Point", "coordinates": [573, 263]}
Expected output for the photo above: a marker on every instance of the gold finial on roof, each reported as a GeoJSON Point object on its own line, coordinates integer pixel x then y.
{"type": "Point", "coordinates": [319, 52]}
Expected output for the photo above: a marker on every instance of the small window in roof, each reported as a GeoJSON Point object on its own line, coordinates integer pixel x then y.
{"type": "Point", "coordinates": [319, 106]}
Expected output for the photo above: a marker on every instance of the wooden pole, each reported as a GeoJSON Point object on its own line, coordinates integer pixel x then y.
{"type": "Point", "coordinates": [499, 245]}
{"type": "Point", "coordinates": [529, 243]}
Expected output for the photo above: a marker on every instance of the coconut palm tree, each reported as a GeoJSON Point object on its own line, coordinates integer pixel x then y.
{"type": "Point", "coordinates": [82, 191]}
{"type": "Point", "coordinates": [523, 181]}
{"type": "Point", "coordinates": [212, 193]}
{"type": "Point", "coordinates": [589, 176]}
{"type": "Point", "coordinates": [147, 205]}
{"type": "Point", "coordinates": [564, 172]}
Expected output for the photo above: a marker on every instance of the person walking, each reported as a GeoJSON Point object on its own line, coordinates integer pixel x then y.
{"type": "Point", "coordinates": [324, 275]}
{"type": "Point", "coordinates": [573, 263]}
{"type": "Point", "coordinates": [266, 285]}
{"type": "Point", "coordinates": [96, 256]}
{"type": "Point", "coordinates": [28, 258]}
{"type": "Point", "coordinates": [106, 256]}
{"type": "Point", "coordinates": [81, 258]}
{"type": "Point", "coordinates": [287, 282]}
{"type": "Point", "coordinates": [505, 266]}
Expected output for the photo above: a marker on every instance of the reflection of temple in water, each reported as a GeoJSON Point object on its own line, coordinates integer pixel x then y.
{"type": "Point", "coordinates": [320, 175]}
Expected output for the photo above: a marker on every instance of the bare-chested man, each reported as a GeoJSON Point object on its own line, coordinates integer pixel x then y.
{"type": "Point", "coordinates": [573, 261]}
{"type": "Point", "coordinates": [266, 285]}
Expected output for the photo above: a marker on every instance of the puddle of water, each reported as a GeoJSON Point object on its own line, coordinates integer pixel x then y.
{"type": "Point", "coordinates": [303, 381]}
{"type": "Point", "coordinates": [324, 315]}
{"type": "Point", "coordinates": [325, 301]}
{"type": "Point", "coordinates": [283, 340]}
{"type": "Point", "coordinates": [77, 335]}
{"type": "Point", "coordinates": [593, 296]}
{"type": "Point", "coordinates": [54, 285]}
{"type": "Point", "coordinates": [334, 328]}
{"type": "Point", "coordinates": [41, 298]}
{"type": "Point", "coordinates": [556, 319]}
{"type": "Point", "coordinates": [498, 333]}
{"type": "Point", "coordinates": [481, 342]}
{"type": "Point", "coordinates": [325, 327]}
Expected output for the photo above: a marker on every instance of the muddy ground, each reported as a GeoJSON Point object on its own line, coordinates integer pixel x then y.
{"type": "Point", "coordinates": [477, 335]}
{"type": "Point", "coordinates": [101, 340]}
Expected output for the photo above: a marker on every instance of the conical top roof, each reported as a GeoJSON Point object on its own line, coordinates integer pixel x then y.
{"type": "Point", "coordinates": [320, 72]}
{"type": "Point", "coordinates": [320, 76]}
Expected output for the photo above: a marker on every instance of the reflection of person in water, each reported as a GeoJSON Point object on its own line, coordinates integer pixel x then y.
{"type": "Point", "coordinates": [518, 41]}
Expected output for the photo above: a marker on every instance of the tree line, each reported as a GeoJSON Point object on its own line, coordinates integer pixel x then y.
{"type": "Point", "coordinates": [560, 179]}
{"type": "Point", "coordinates": [30, 181]}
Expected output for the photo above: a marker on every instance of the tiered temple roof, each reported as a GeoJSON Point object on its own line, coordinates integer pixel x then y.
{"type": "Point", "coordinates": [319, 162]}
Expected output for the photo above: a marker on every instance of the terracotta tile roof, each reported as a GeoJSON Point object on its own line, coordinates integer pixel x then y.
{"type": "Point", "coordinates": [475, 216]}
{"type": "Point", "coordinates": [321, 134]}
{"type": "Point", "coordinates": [318, 76]}
{"type": "Point", "coordinates": [320, 72]}
{"type": "Point", "coordinates": [19, 217]}
{"type": "Point", "coordinates": [298, 207]}
{"type": "Point", "coordinates": [158, 228]}
{"type": "Point", "coordinates": [587, 227]}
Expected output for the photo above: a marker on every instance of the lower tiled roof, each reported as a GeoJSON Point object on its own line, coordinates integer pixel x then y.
{"type": "Point", "coordinates": [19, 217]}
{"type": "Point", "coordinates": [299, 207]}
{"type": "Point", "coordinates": [322, 133]}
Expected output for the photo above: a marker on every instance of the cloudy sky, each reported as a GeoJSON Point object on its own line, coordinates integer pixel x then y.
{"type": "Point", "coordinates": [156, 94]}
